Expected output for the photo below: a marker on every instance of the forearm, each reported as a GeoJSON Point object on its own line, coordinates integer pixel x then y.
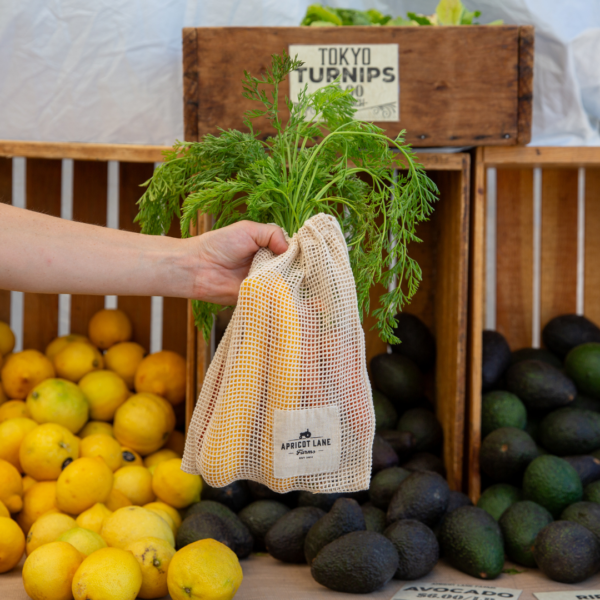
{"type": "Point", "coordinates": [39, 253]}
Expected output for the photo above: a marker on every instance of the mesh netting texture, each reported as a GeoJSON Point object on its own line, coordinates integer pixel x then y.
{"type": "Point", "coordinates": [286, 400]}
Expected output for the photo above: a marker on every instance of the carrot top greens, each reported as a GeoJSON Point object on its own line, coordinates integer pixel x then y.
{"type": "Point", "coordinates": [320, 160]}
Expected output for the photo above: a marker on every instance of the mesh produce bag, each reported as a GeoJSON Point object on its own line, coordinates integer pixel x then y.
{"type": "Point", "coordinates": [286, 401]}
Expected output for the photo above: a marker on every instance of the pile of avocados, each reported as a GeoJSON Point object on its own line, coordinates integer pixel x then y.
{"type": "Point", "coordinates": [540, 452]}
{"type": "Point", "coordinates": [357, 542]}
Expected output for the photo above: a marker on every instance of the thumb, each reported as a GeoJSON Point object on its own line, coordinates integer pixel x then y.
{"type": "Point", "coordinates": [269, 236]}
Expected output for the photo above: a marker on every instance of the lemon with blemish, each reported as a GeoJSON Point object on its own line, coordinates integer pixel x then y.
{"type": "Point", "coordinates": [124, 359]}
{"type": "Point", "coordinates": [23, 372]}
{"type": "Point", "coordinates": [154, 556]}
{"type": "Point", "coordinates": [131, 457]}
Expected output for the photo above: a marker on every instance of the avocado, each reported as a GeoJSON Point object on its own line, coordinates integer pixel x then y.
{"type": "Point", "coordinates": [384, 456]}
{"type": "Point", "coordinates": [423, 424]}
{"type": "Point", "coordinates": [398, 378]}
{"type": "Point", "coordinates": [285, 540]}
{"type": "Point", "coordinates": [565, 332]}
{"type": "Point", "coordinates": [259, 517]}
{"type": "Point", "coordinates": [422, 496]}
{"type": "Point", "coordinates": [345, 516]}
{"type": "Point", "coordinates": [417, 547]}
{"type": "Point", "coordinates": [386, 416]}
{"type": "Point", "coordinates": [553, 483]}
{"type": "Point", "coordinates": [202, 526]}
{"type": "Point", "coordinates": [520, 525]}
{"type": "Point", "coordinates": [403, 442]}
{"type": "Point", "coordinates": [322, 501]}
{"type": "Point", "coordinates": [498, 498]}
{"type": "Point", "coordinates": [583, 367]}
{"type": "Point", "coordinates": [536, 354]}
{"type": "Point", "coordinates": [505, 454]}
{"type": "Point", "coordinates": [567, 552]}
{"type": "Point", "coordinates": [540, 385]}
{"type": "Point", "coordinates": [239, 532]}
{"type": "Point", "coordinates": [384, 485]}
{"type": "Point", "coordinates": [260, 491]}
{"type": "Point", "coordinates": [375, 519]}
{"type": "Point", "coordinates": [471, 541]}
{"type": "Point", "coordinates": [570, 431]}
{"type": "Point", "coordinates": [584, 513]}
{"type": "Point", "coordinates": [591, 492]}
{"type": "Point", "coordinates": [359, 563]}
{"type": "Point", "coordinates": [495, 358]}
{"type": "Point", "coordinates": [587, 467]}
{"type": "Point", "coordinates": [416, 341]}
{"type": "Point", "coordinates": [501, 409]}
{"type": "Point", "coordinates": [425, 461]}
{"type": "Point", "coordinates": [586, 403]}
{"type": "Point", "coordinates": [236, 495]}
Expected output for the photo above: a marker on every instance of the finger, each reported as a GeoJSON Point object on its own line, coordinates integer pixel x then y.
{"type": "Point", "coordinates": [269, 236]}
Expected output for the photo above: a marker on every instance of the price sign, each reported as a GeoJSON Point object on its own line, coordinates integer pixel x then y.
{"type": "Point", "coordinates": [371, 71]}
{"type": "Point", "coordinates": [443, 591]}
{"type": "Point", "coordinates": [569, 595]}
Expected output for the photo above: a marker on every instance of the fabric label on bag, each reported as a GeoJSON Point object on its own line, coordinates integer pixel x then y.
{"type": "Point", "coordinates": [306, 441]}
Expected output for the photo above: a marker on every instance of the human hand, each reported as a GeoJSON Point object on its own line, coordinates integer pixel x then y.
{"type": "Point", "coordinates": [222, 258]}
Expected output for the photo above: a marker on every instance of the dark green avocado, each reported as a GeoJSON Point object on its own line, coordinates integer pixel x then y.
{"type": "Point", "coordinates": [398, 378]}
{"type": "Point", "coordinates": [403, 442]}
{"type": "Point", "coordinates": [501, 409]}
{"type": "Point", "coordinates": [202, 526]}
{"type": "Point", "coordinates": [259, 517]}
{"type": "Point", "coordinates": [236, 495]}
{"type": "Point", "coordinates": [386, 416]}
{"type": "Point", "coordinates": [375, 519]}
{"type": "Point", "coordinates": [495, 359]}
{"type": "Point", "coordinates": [583, 366]}
{"type": "Point", "coordinates": [584, 513]}
{"type": "Point", "coordinates": [384, 485]}
{"type": "Point", "coordinates": [591, 492]}
{"type": "Point", "coordinates": [505, 454]}
{"type": "Point", "coordinates": [565, 332]}
{"type": "Point", "coordinates": [570, 431]}
{"type": "Point", "coordinates": [498, 498]}
{"type": "Point", "coordinates": [416, 341]}
{"type": "Point", "coordinates": [423, 424]}
{"type": "Point", "coordinates": [425, 461]}
{"type": "Point", "coordinates": [322, 501]}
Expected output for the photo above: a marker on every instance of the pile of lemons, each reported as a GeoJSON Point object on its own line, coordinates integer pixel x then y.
{"type": "Point", "coordinates": [90, 471]}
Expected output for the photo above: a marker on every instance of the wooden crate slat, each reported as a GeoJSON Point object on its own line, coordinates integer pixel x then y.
{"type": "Point", "coordinates": [526, 45]}
{"type": "Point", "coordinates": [559, 243]}
{"type": "Point", "coordinates": [559, 157]}
{"type": "Point", "coordinates": [591, 302]}
{"type": "Point", "coordinates": [40, 313]}
{"type": "Point", "coordinates": [514, 256]}
{"type": "Point", "coordinates": [6, 198]}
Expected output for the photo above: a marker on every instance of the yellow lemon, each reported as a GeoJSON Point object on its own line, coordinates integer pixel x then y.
{"type": "Point", "coordinates": [172, 512]}
{"type": "Point", "coordinates": [173, 486]}
{"type": "Point", "coordinates": [154, 556]}
{"type": "Point", "coordinates": [28, 483]}
{"type": "Point", "coordinates": [45, 449]}
{"type": "Point", "coordinates": [12, 433]}
{"type": "Point", "coordinates": [105, 446]}
{"type": "Point", "coordinates": [162, 373]}
{"type": "Point", "coordinates": [59, 343]}
{"type": "Point", "coordinates": [204, 570]}
{"type": "Point", "coordinates": [131, 457]}
{"type": "Point", "coordinates": [105, 391]}
{"type": "Point", "coordinates": [76, 360]}
{"type": "Point", "coordinates": [136, 483]}
{"type": "Point", "coordinates": [47, 529]}
{"type": "Point", "coordinates": [82, 484]}
{"type": "Point", "coordinates": [176, 442]}
{"type": "Point", "coordinates": [96, 427]}
{"type": "Point", "coordinates": [58, 401]}
{"type": "Point", "coordinates": [165, 517]}
{"type": "Point", "coordinates": [39, 499]}
{"type": "Point", "coordinates": [116, 500]}
{"type": "Point", "coordinates": [133, 523]}
{"type": "Point", "coordinates": [12, 544]}
{"type": "Point", "coordinates": [23, 372]}
{"type": "Point", "coordinates": [124, 359]}
{"type": "Point", "coordinates": [107, 574]}
{"type": "Point", "coordinates": [7, 339]}
{"type": "Point", "coordinates": [4, 512]}
{"type": "Point", "coordinates": [109, 327]}
{"type": "Point", "coordinates": [144, 423]}
{"type": "Point", "coordinates": [85, 540]}
{"type": "Point", "coordinates": [11, 487]}
{"type": "Point", "coordinates": [48, 572]}
{"type": "Point", "coordinates": [93, 518]}
{"type": "Point", "coordinates": [160, 456]}
{"type": "Point", "coordinates": [14, 409]}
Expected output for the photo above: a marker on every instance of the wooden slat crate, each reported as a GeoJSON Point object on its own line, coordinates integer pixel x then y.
{"type": "Point", "coordinates": [535, 251]}
{"type": "Point", "coordinates": [39, 176]}
{"type": "Point", "coordinates": [441, 302]}
{"type": "Point", "coordinates": [459, 86]}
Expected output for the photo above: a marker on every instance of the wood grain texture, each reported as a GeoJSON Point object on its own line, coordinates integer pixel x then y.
{"type": "Point", "coordinates": [40, 313]}
{"type": "Point", "coordinates": [81, 151]}
{"type": "Point", "coordinates": [6, 198]}
{"type": "Point", "coordinates": [559, 157]}
{"type": "Point", "coordinates": [525, 91]}
{"type": "Point", "coordinates": [559, 243]}
{"type": "Point", "coordinates": [458, 85]}
{"type": "Point", "coordinates": [90, 184]}
{"type": "Point", "coordinates": [514, 256]}
{"type": "Point", "coordinates": [131, 176]}
{"type": "Point", "coordinates": [591, 302]}
{"type": "Point", "coordinates": [191, 91]}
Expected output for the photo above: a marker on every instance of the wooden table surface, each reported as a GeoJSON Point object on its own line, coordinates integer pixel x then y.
{"type": "Point", "coordinates": [268, 579]}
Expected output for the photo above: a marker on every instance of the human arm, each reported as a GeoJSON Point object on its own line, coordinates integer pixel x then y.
{"type": "Point", "coordinates": [44, 254]}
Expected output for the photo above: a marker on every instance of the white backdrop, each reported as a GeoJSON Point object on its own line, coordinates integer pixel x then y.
{"type": "Point", "coordinates": [110, 70]}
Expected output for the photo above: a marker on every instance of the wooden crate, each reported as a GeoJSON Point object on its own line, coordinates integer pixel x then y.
{"type": "Point", "coordinates": [459, 86]}
{"type": "Point", "coordinates": [441, 302]}
{"type": "Point", "coordinates": [535, 252]}
{"type": "Point", "coordinates": [38, 168]}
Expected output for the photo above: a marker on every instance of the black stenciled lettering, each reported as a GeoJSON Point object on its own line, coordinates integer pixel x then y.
{"type": "Point", "coordinates": [372, 73]}
{"type": "Point", "coordinates": [300, 72]}
{"type": "Point", "coordinates": [342, 56]}
{"type": "Point", "coordinates": [362, 75]}
{"type": "Point", "coordinates": [348, 74]}
{"type": "Point", "coordinates": [333, 56]}
{"type": "Point", "coordinates": [355, 54]}
{"type": "Point", "coordinates": [388, 75]}
{"type": "Point", "coordinates": [283, 446]}
{"type": "Point", "coordinates": [366, 56]}
{"type": "Point", "coordinates": [322, 51]}
{"type": "Point", "coordinates": [332, 73]}
{"type": "Point", "coordinates": [312, 75]}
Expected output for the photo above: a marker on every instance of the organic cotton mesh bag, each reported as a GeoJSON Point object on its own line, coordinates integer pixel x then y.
{"type": "Point", "coordinates": [286, 401]}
